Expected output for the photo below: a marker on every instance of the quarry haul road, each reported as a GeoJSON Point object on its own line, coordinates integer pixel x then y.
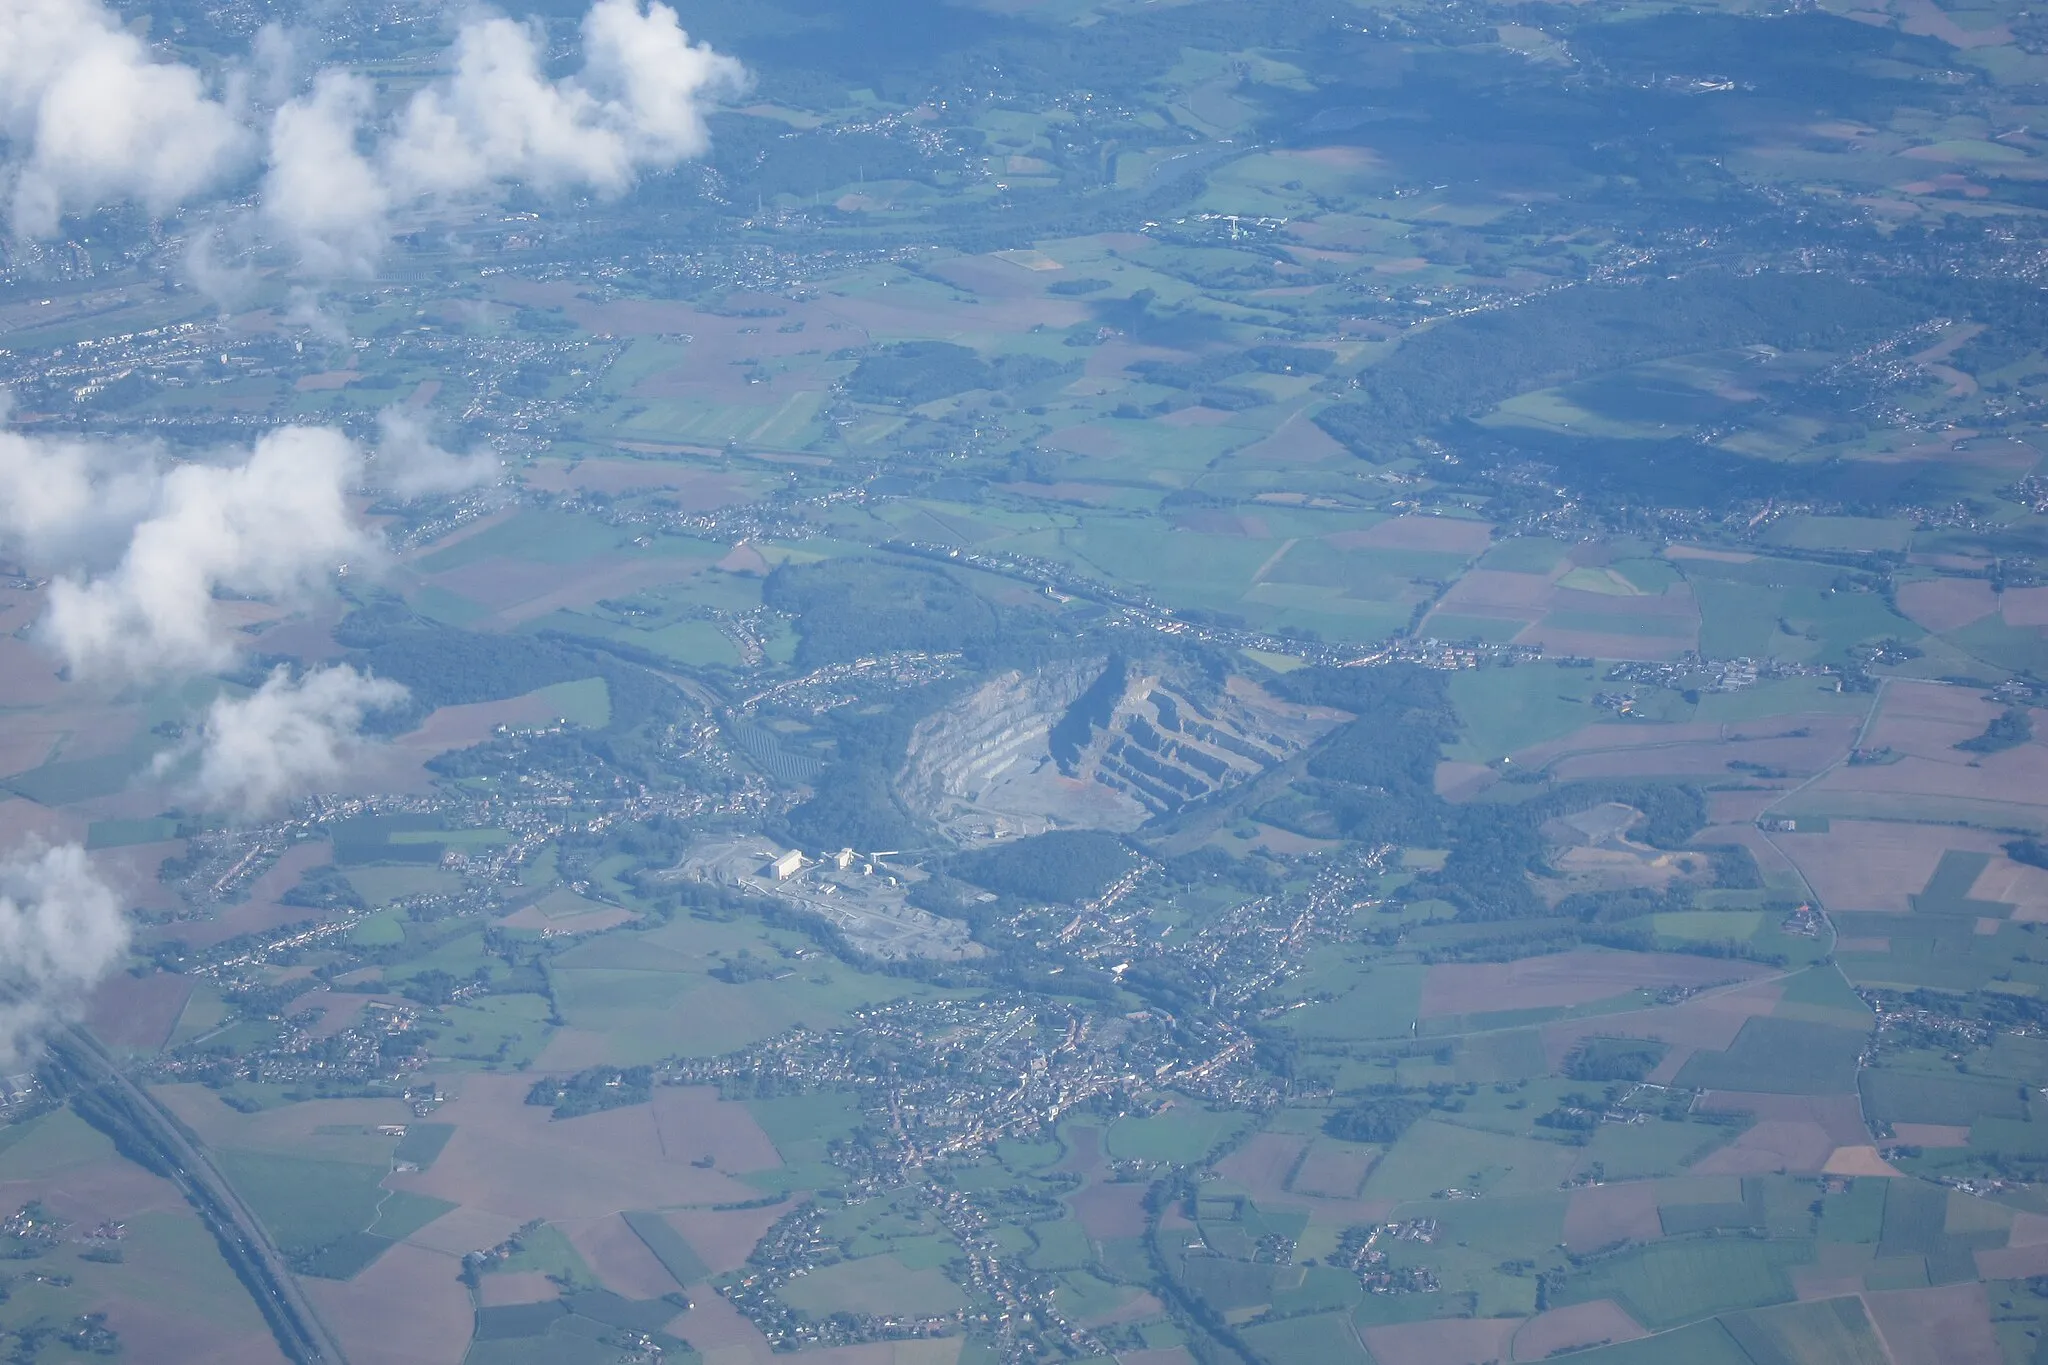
{"type": "Point", "coordinates": [165, 1147]}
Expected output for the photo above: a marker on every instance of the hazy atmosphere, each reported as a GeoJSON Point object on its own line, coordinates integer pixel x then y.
{"type": "Point", "coordinates": [981, 682]}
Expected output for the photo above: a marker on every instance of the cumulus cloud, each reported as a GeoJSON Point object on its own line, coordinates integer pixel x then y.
{"type": "Point", "coordinates": [93, 118]}
{"type": "Point", "coordinates": [409, 463]}
{"type": "Point", "coordinates": [653, 83]}
{"type": "Point", "coordinates": [61, 930]}
{"type": "Point", "coordinates": [288, 736]}
{"type": "Point", "coordinates": [229, 283]}
{"type": "Point", "coordinates": [65, 501]}
{"type": "Point", "coordinates": [273, 525]}
{"type": "Point", "coordinates": [88, 116]}
{"type": "Point", "coordinates": [278, 57]}
{"type": "Point", "coordinates": [321, 193]}
{"type": "Point", "coordinates": [140, 548]}
{"type": "Point", "coordinates": [334, 180]}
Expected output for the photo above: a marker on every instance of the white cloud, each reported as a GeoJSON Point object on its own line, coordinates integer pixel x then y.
{"type": "Point", "coordinates": [409, 463]}
{"type": "Point", "coordinates": [89, 116]}
{"type": "Point", "coordinates": [66, 502]}
{"type": "Point", "coordinates": [496, 118]}
{"type": "Point", "coordinates": [321, 193]}
{"type": "Point", "coordinates": [93, 118]}
{"type": "Point", "coordinates": [212, 265]}
{"type": "Point", "coordinates": [638, 104]}
{"type": "Point", "coordinates": [61, 931]}
{"type": "Point", "coordinates": [287, 737]}
{"type": "Point", "coordinates": [278, 57]}
{"type": "Point", "coordinates": [141, 547]}
{"type": "Point", "coordinates": [274, 525]}
{"type": "Point", "coordinates": [654, 85]}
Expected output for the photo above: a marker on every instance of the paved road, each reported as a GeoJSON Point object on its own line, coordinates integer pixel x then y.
{"type": "Point", "coordinates": [301, 1334]}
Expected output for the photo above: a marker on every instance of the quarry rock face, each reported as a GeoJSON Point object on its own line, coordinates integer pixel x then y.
{"type": "Point", "coordinates": [993, 737]}
{"type": "Point", "coordinates": [1105, 743]}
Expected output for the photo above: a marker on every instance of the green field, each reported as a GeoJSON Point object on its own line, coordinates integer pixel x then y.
{"type": "Point", "coordinates": [306, 1204]}
{"type": "Point", "coordinates": [1855, 1214]}
{"type": "Point", "coordinates": [1702, 1343]}
{"type": "Point", "coordinates": [1524, 554]}
{"type": "Point", "coordinates": [1669, 1283]}
{"type": "Point", "coordinates": [1915, 1216]}
{"type": "Point", "coordinates": [1060, 1246]}
{"type": "Point", "coordinates": [450, 608]}
{"type": "Point", "coordinates": [1490, 630]}
{"type": "Point", "coordinates": [385, 930]}
{"type": "Point", "coordinates": [1948, 891]}
{"type": "Point", "coordinates": [1229, 1286]}
{"type": "Point", "coordinates": [874, 1284]}
{"type": "Point", "coordinates": [1434, 1156]}
{"type": "Point", "coordinates": [694, 642]}
{"type": "Point", "coordinates": [541, 536]}
{"type": "Point", "coordinates": [2001, 646]}
{"type": "Point", "coordinates": [1184, 1133]}
{"type": "Point", "coordinates": [1780, 1056]}
{"type": "Point", "coordinates": [1778, 697]}
{"type": "Point", "coordinates": [586, 702]}
{"type": "Point", "coordinates": [675, 1253]}
{"type": "Point", "coordinates": [1641, 1150]}
{"type": "Point", "coordinates": [1318, 1337]}
{"type": "Point", "coordinates": [1371, 1002]}
{"type": "Point", "coordinates": [651, 994]}
{"type": "Point", "coordinates": [548, 1250]}
{"type": "Point", "coordinates": [1323, 1289]}
{"type": "Point", "coordinates": [382, 885]}
{"type": "Point", "coordinates": [1897, 1095]}
{"type": "Point", "coordinates": [1510, 709]}
{"type": "Point", "coordinates": [506, 1030]}
{"type": "Point", "coordinates": [1512, 1055]}
{"type": "Point", "coordinates": [63, 783]}
{"type": "Point", "coordinates": [422, 1143]}
{"type": "Point", "coordinates": [1841, 533]}
{"type": "Point", "coordinates": [818, 1118]}
{"type": "Point", "coordinates": [1786, 608]}
{"type": "Point", "coordinates": [1825, 989]}
{"type": "Point", "coordinates": [122, 833]}
{"type": "Point", "coordinates": [1709, 926]}
{"type": "Point", "coordinates": [45, 1145]}
{"type": "Point", "coordinates": [169, 1263]}
{"type": "Point", "coordinates": [572, 1330]}
{"type": "Point", "coordinates": [1836, 1332]}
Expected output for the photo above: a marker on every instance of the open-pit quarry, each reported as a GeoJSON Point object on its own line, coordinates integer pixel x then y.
{"type": "Point", "coordinates": [1095, 744]}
